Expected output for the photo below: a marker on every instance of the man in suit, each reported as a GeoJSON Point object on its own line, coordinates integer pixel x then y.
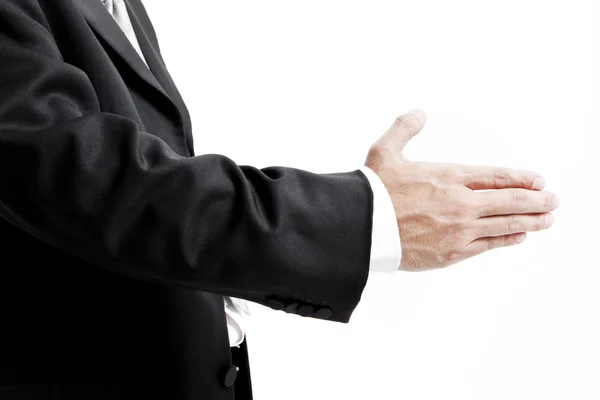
{"type": "Point", "coordinates": [127, 258]}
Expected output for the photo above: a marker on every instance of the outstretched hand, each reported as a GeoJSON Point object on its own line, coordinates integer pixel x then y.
{"type": "Point", "coordinates": [442, 217]}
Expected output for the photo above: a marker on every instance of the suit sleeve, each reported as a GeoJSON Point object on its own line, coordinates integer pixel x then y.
{"type": "Point", "coordinates": [92, 184]}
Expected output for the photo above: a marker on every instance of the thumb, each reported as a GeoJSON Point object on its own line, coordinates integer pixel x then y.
{"type": "Point", "coordinates": [404, 128]}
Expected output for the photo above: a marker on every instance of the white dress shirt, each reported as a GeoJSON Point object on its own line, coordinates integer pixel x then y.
{"type": "Point", "coordinates": [385, 244]}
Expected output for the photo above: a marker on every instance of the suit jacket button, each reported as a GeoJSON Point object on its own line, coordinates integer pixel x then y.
{"type": "Point", "coordinates": [229, 376]}
{"type": "Point", "coordinates": [291, 308]}
{"type": "Point", "coordinates": [323, 313]}
{"type": "Point", "coordinates": [306, 310]}
{"type": "Point", "coordinates": [275, 304]}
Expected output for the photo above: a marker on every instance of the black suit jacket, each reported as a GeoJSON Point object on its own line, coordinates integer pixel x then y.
{"type": "Point", "coordinates": [118, 243]}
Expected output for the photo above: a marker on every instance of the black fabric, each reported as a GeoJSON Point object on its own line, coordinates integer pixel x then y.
{"type": "Point", "coordinates": [118, 242]}
{"type": "Point", "coordinates": [243, 382]}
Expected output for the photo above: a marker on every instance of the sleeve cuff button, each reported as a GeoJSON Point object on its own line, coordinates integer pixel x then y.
{"type": "Point", "coordinates": [324, 313]}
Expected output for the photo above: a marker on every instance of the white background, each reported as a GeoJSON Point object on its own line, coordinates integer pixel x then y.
{"type": "Point", "coordinates": [312, 84]}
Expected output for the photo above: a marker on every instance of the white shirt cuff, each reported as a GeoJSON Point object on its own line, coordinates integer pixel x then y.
{"type": "Point", "coordinates": [386, 251]}
{"type": "Point", "coordinates": [236, 324]}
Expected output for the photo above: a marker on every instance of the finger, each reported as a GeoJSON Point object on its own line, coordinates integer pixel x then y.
{"type": "Point", "coordinates": [509, 224]}
{"type": "Point", "coordinates": [488, 243]}
{"type": "Point", "coordinates": [481, 178]}
{"type": "Point", "coordinates": [514, 201]}
{"type": "Point", "coordinates": [404, 128]}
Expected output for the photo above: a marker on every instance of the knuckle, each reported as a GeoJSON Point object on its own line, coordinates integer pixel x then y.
{"type": "Point", "coordinates": [406, 121]}
{"type": "Point", "coordinates": [540, 223]}
{"type": "Point", "coordinates": [510, 240]}
{"type": "Point", "coordinates": [447, 175]}
{"type": "Point", "coordinates": [513, 224]}
{"type": "Point", "coordinates": [453, 256]}
{"type": "Point", "coordinates": [463, 205]}
{"type": "Point", "coordinates": [462, 208]}
{"type": "Point", "coordinates": [501, 176]}
{"type": "Point", "coordinates": [549, 201]}
{"type": "Point", "coordinates": [491, 244]}
{"type": "Point", "coordinates": [526, 181]}
{"type": "Point", "coordinates": [468, 233]}
{"type": "Point", "coordinates": [518, 200]}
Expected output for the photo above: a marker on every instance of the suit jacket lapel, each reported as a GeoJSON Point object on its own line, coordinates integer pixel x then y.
{"type": "Point", "coordinates": [157, 76]}
{"type": "Point", "coordinates": [139, 19]}
{"type": "Point", "coordinates": [105, 26]}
